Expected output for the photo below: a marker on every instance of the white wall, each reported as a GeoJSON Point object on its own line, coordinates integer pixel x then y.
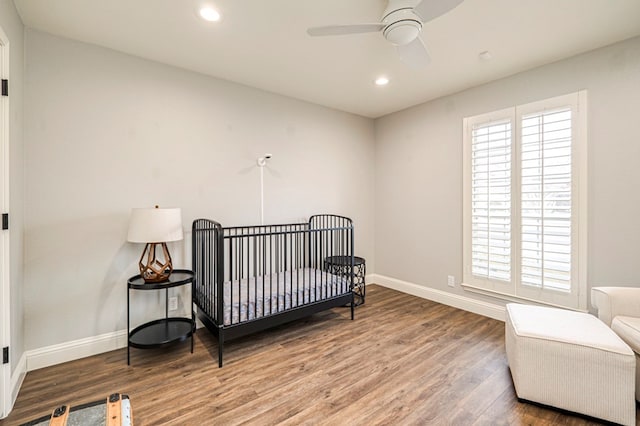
{"type": "Point", "coordinates": [418, 181]}
{"type": "Point", "coordinates": [106, 132]}
{"type": "Point", "coordinates": [13, 28]}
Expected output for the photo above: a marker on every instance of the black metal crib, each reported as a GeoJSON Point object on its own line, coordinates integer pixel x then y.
{"type": "Point", "coordinates": [251, 278]}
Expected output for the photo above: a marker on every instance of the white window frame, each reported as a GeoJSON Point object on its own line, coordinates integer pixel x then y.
{"type": "Point", "coordinates": [513, 290]}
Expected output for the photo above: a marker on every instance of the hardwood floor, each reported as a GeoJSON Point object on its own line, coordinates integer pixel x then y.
{"type": "Point", "coordinates": [404, 360]}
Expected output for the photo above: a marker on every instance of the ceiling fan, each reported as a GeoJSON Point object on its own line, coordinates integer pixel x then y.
{"type": "Point", "coordinates": [400, 24]}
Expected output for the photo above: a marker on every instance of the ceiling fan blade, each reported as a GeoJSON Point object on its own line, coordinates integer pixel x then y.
{"type": "Point", "coordinates": [414, 54]}
{"type": "Point", "coordinates": [345, 29]}
{"type": "Point", "coordinates": [431, 9]}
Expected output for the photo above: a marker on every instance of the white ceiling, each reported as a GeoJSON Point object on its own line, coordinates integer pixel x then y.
{"type": "Point", "coordinates": [264, 44]}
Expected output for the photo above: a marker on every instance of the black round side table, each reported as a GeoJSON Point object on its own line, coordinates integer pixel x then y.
{"type": "Point", "coordinates": [163, 331]}
{"type": "Point", "coordinates": [341, 265]}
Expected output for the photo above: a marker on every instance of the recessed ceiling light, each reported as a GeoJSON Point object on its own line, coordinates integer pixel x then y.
{"type": "Point", "coordinates": [209, 14]}
{"type": "Point", "coordinates": [382, 81]}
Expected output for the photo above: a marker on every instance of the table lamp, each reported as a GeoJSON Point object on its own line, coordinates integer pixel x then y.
{"type": "Point", "coordinates": [155, 227]}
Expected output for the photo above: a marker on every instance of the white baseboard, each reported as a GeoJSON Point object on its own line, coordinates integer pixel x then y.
{"type": "Point", "coordinates": [461, 302]}
{"type": "Point", "coordinates": [76, 349]}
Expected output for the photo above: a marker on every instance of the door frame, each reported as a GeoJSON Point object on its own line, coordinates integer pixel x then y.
{"type": "Point", "coordinates": [6, 401]}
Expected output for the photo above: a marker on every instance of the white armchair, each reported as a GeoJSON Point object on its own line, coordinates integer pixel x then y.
{"type": "Point", "coordinates": [619, 308]}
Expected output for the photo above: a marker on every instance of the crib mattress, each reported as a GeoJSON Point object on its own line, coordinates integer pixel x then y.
{"type": "Point", "coordinates": [256, 297]}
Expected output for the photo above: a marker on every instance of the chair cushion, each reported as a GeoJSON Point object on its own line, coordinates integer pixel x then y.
{"type": "Point", "coordinates": [628, 328]}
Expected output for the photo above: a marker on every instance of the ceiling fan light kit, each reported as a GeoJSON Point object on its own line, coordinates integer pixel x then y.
{"type": "Point", "coordinates": [404, 26]}
{"type": "Point", "coordinates": [401, 33]}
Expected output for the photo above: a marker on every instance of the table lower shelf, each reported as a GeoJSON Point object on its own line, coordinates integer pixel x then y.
{"type": "Point", "coordinates": [161, 332]}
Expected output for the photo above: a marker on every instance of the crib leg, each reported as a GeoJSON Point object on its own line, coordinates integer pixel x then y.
{"type": "Point", "coordinates": [220, 347]}
{"type": "Point", "coordinates": [353, 306]}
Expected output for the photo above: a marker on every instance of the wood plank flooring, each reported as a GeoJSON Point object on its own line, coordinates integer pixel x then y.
{"type": "Point", "coordinates": [404, 360]}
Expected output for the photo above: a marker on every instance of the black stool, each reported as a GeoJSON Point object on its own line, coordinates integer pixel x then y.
{"type": "Point", "coordinates": [341, 265]}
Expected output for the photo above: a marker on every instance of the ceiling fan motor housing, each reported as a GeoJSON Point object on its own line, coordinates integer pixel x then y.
{"type": "Point", "coordinates": [403, 24]}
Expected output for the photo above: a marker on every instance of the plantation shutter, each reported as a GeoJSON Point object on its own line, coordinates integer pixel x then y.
{"type": "Point", "coordinates": [491, 200]}
{"type": "Point", "coordinates": [525, 202]}
{"type": "Point", "coordinates": [546, 199]}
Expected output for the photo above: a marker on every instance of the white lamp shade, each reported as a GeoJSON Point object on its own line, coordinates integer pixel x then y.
{"type": "Point", "coordinates": [155, 225]}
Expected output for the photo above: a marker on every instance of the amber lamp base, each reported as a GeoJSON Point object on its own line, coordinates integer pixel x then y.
{"type": "Point", "coordinates": [154, 269]}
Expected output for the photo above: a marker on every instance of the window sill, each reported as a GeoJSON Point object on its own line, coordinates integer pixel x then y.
{"type": "Point", "coordinates": [512, 298]}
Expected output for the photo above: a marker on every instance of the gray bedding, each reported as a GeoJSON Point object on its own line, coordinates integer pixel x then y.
{"type": "Point", "coordinates": [269, 294]}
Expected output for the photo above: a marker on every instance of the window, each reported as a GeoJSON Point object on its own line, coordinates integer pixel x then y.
{"type": "Point", "coordinates": [525, 202]}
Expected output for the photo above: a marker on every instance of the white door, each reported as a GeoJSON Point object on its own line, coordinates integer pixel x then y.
{"type": "Point", "coordinates": [5, 330]}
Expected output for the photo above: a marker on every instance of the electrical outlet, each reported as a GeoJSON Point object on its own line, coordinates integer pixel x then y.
{"type": "Point", "coordinates": [451, 281]}
{"type": "Point", "coordinates": [173, 303]}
